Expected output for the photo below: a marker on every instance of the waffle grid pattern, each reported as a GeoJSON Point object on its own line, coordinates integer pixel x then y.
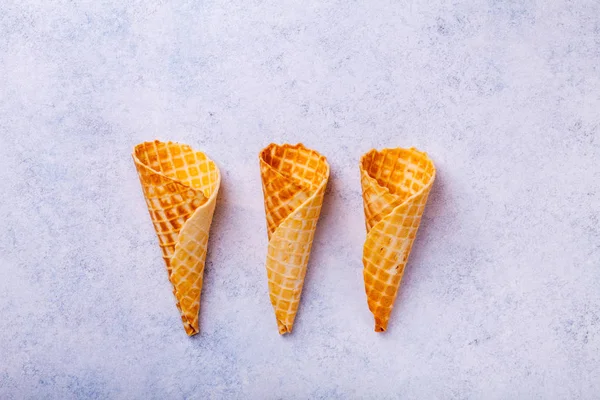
{"type": "Point", "coordinates": [177, 182]}
{"type": "Point", "coordinates": [294, 180]}
{"type": "Point", "coordinates": [396, 184]}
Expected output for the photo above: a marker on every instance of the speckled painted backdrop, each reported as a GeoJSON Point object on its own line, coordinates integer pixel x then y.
{"type": "Point", "coordinates": [501, 298]}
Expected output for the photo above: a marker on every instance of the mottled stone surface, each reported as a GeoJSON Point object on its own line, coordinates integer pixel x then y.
{"type": "Point", "coordinates": [501, 298]}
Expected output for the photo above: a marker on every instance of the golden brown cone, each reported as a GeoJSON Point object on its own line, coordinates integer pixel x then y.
{"type": "Point", "coordinates": [180, 186]}
{"type": "Point", "coordinates": [395, 185]}
{"type": "Point", "coordinates": [294, 180]}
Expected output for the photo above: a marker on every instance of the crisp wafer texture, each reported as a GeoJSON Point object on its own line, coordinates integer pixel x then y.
{"type": "Point", "coordinates": [294, 180]}
{"type": "Point", "coordinates": [395, 185]}
{"type": "Point", "coordinates": [180, 186]}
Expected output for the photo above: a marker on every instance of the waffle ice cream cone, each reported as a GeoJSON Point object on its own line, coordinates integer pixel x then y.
{"type": "Point", "coordinates": [294, 180]}
{"type": "Point", "coordinates": [395, 185]}
{"type": "Point", "coordinates": [180, 186]}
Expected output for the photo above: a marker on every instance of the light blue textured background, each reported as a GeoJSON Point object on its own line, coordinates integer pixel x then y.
{"type": "Point", "coordinates": [501, 298]}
